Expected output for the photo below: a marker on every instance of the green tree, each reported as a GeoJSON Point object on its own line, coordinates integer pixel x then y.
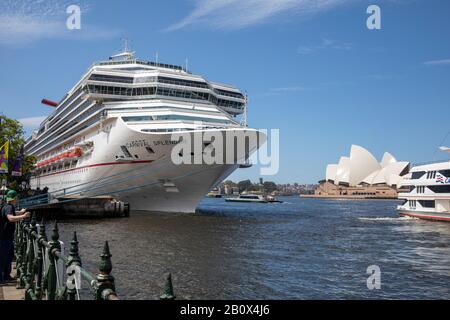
{"type": "Point", "coordinates": [245, 185]}
{"type": "Point", "coordinates": [269, 186]}
{"type": "Point", "coordinates": [12, 130]}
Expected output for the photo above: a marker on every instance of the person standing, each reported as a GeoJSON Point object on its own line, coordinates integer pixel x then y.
{"type": "Point", "coordinates": [8, 218]}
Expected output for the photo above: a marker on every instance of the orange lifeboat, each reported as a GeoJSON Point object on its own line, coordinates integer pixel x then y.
{"type": "Point", "coordinates": [74, 153]}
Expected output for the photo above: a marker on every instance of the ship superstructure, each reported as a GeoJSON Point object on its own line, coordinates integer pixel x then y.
{"type": "Point", "coordinates": [426, 191]}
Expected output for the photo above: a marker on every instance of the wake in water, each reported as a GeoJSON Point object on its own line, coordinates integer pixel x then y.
{"type": "Point", "coordinates": [404, 218]}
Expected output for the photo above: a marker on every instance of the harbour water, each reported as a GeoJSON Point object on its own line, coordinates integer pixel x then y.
{"type": "Point", "coordinates": [299, 249]}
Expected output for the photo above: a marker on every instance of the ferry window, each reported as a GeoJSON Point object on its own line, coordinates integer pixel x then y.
{"type": "Point", "coordinates": [445, 173]}
{"type": "Point", "coordinates": [417, 175]}
{"type": "Point", "coordinates": [440, 189]}
{"type": "Point", "coordinates": [427, 203]}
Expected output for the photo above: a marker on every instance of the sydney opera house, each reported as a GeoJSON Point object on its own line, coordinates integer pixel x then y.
{"type": "Point", "coordinates": [360, 175]}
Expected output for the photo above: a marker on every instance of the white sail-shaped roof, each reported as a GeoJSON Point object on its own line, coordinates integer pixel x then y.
{"type": "Point", "coordinates": [343, 170]}
{"type": "Point", "coordinates": [389, 175]}
{"type": "Point", "coordinates": [363, 167]}
{"type": "Point", "coordinates": [362, 164]}
{"type": "Point", "coordinates": [387, 159]}
{"type": "Point", "coordinates": [331, 172]}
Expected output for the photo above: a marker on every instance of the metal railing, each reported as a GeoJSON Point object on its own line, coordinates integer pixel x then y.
{"type": "Point", "coordinates": [46, 273]}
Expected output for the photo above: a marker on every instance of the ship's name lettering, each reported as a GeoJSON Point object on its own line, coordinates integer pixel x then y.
{"type": "Point", "coordinates": [137, 144]}
{"type": "Point", "coordinates": [165, 142]}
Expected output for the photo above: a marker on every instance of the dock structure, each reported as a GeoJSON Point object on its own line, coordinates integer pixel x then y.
{"type": "Point", "coordinates": [75, 206]}
{"type": "Point", "coordinates": [44, 272]}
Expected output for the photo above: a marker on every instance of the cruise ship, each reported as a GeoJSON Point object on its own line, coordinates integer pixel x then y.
{"type": "Point", "coordinates": [426, 191]}
{"type": "Point", "coordinates": [115, 131]}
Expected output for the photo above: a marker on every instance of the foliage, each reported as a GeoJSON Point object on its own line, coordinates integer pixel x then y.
{"type": "Point", "coordinates": [245, 185]}
{"type": "Point", "coordinates": [12, 130]}
{"type": "Point", "coordinates": [269, 186]}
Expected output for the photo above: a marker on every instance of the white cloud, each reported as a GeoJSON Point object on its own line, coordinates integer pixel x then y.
{"type": "Point", "coordinates": [325, 44]}
{"type": "Point", "coordinates": [27, 21]}
{"type": "Point", "coordinates": [237, 14]}
{"type": "Point", "coordinates": [32, 122]}
{"type": "Point", "coordinates": [437, 62]}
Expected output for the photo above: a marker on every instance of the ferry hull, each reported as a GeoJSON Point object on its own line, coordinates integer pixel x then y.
{"type": "Point", "coordinates": [435, 216]}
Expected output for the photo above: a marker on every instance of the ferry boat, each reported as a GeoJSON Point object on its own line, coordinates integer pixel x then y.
{"type": "Point", "coordinates": [426, 191]}
{"type": "Point", "coordinates": [248, 198]}
{"type": "Point", "coordinates": [113, 134]}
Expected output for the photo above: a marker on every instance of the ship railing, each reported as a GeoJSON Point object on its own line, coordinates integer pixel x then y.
{"type": "Point", "coordinates": [46, 273]}
{"type": "Point", "coordinates": [34, 201]}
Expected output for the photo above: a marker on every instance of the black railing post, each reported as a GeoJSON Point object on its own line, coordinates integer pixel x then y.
{"type": "Point", "coordinates": [51, 273]}
{"type": "Point", "coordinates": [31, 260]}
{"type": "Point", "coordinates": [25, 254]}
{"type": "Point", "coordinates": [72, 267]}
{"type": "Point", "coordinates": [105, 288]}
{"type": "Point", "coordinates": [40, 260]}
{"type": "Point", "coordinates": [18, 246]}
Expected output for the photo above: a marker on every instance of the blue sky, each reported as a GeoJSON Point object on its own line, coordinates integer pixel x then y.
{"type": "Point", "coordinates": [310, 68]}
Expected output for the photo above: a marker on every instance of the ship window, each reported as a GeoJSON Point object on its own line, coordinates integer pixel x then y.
{"type": "Point", "coordinates": [427, 203]}
{"type": "Point", "coordinates": [421, 189]}
{"type": "Point", "coordinates": [107, 78]}
{"type": "Point", "coordinates": [149, 150]}
{"type": "Point", "coordinates": [417, 174]}
{"type": "Point", "coordinates": [126, 152]}
{"type": "Point", "coordinates": [440, 189]}
{"type": "Point", "coordinates": [431, 174]}
{"type": "Point", "coordinates": [137, 118]}
{"type": "Point", "coordinates": [445, 172]}
{"type": "Point", "coordinates": [229, 93]}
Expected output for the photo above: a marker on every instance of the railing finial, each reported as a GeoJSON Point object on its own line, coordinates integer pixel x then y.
{"type": "Point", "coordinates": [168, 289]}
{"type": "Point", "coordinates": [33, 219]}
{"type": "Point", "coordinates": [105, 281]}
{"type": "Point", "coordinates": [55, 234]}
{"type": "Point", "coordinates": [73, 251]}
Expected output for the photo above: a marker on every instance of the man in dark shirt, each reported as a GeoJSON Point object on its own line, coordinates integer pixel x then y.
{"type": "Point", "coordinates": [8, 218]}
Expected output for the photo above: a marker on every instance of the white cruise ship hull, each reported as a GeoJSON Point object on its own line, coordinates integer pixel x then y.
{"type": "Point", "coordinates": [147, 180]}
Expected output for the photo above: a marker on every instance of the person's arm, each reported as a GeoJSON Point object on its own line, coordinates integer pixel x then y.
{"type": "Point", "coordinates": [12, 218]}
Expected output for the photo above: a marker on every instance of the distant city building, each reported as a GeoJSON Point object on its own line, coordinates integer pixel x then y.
{"type": "Point", "coordinates": [360, 175]}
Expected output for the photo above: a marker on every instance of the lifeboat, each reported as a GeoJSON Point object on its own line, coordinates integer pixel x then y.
{"type": "Point", "coordinates": [74, 153]}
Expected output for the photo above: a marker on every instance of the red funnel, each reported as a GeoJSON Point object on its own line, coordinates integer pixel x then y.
{"type": "Point", "coordinates": [49, 103]}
